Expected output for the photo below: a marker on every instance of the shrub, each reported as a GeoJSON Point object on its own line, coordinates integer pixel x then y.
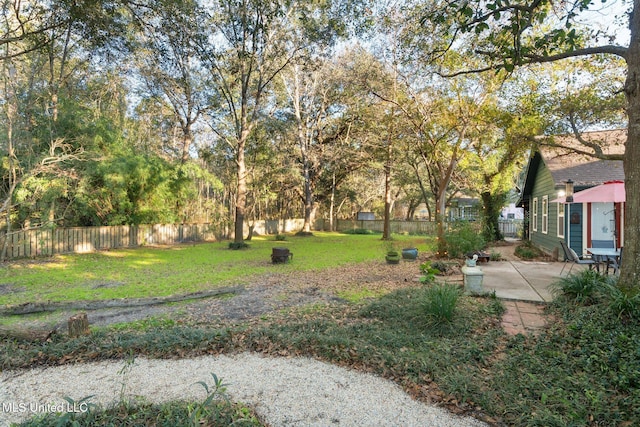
{"type": "Point", "coordinates": [441, 301]}
{"type": "Point", "coordinates": [238, 245]}
{"type": "Point", "coordinates": [526, 250]}
{"type": "Point", "coordinates": [358, 231]}
{"type": "Point", "coordinates": [584, 287]}
{"type": "Point", "coordinates": [623, 302]}
{"type": "Point", "coordinates": [281, 237]}
{"type": "Point", "coordinates": [441, 266]}
{"type": "Point", "coordinates": [463, 238]}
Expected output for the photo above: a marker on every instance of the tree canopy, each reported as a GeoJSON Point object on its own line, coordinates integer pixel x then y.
{"type": "Point", "coordinates": [116, 112]}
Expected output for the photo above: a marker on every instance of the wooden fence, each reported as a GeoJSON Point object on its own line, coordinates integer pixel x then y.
{"type": "Point", "coordinates": [44, 242]}
{"type": "Point", "coordinates": [47, 242]}
{"type": "Point", "coordinates": [513, 228]}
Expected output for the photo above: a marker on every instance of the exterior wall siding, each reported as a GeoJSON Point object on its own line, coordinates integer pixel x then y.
{"type": "Point", "coordinates": [575, 230]}
{"type": "Point", "coordinates": [545, 186]}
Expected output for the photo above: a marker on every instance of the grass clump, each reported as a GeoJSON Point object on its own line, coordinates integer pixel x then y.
{"type": "Point", "coordinates": [441, 302]}
{"type": "Point", "coordinates": [583, 288]}
{"type": "Point", "coordinates": [590, 287]}
{"type": "Point", "coordinates": [623, 302]}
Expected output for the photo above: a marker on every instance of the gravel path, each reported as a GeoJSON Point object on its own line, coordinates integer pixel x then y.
{"type": "Point", "coordinates": [283, 391]}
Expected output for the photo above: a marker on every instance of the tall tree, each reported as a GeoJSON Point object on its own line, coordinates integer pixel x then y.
{"type": "Point", "coordinates": [512, 34]}
{"type": "Point", "coordinates": [169, 66]}
{"type": "Point", "coordinates": [328, 106]}
{"type": "Point", "coordinates": [246, 51]}
{"type": "Point", "coordinates": [309, 93]}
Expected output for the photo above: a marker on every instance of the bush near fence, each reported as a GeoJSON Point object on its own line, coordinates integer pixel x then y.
{"type": "Point", "coordinates": [509, 228]}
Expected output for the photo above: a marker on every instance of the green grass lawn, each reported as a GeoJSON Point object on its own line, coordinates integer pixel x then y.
{"type": "Point", "coordinates": [157, 272]}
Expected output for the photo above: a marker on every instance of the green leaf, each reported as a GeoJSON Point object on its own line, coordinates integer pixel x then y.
{"type": "Point", "coordinates": [483, 26]}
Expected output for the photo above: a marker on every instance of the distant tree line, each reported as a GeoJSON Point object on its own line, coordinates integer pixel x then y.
{"type": "Point", "coordinates": [162, 111]}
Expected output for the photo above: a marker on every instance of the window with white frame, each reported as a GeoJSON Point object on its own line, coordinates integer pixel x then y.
{"type": "Point", "coordinates": [545, 214]}
{"type": "Point", "coordinates": [534, 214]}
{"type": "Point", "coordinates": [561, 223]}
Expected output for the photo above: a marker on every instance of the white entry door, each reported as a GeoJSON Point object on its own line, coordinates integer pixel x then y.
{"type": "Point", "coordinates": [603, 221]}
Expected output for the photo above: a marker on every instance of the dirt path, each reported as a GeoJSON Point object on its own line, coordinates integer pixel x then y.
{"type": "Point", "coordinates": [264, 294]}
{"type": "Point", "coordinates": [248, 299]}
{"type": "Point", "coordinates": [506, 249]}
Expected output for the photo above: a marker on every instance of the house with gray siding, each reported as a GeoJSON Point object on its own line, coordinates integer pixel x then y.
{"type": "Point", "coordinates": [556, 161]}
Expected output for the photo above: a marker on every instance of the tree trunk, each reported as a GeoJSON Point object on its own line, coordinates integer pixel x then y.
{"type": "Point", "coordinates": [241, 196]}
{"type": "Point", "coordinates": [332, 203]}
{"type": "Point", "coordinates": [12, 108]}
{"type": "Point", "coordinates": [630, 268]}
{"type": "Point", "coordinates": [187, 140]}
{"type": "Point", "coordinates": [308, 195]}
{"type": "Point", "coordinates": [441, 204]}
{"type": "Point", "coordinates": [491, 207]}
{"type": "Point", "coordinates": [78, 325]}
{"type": "Point", "coordinates": [386, 232]}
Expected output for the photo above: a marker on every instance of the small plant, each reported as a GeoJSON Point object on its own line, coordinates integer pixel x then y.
{"type": "Point", "coordinates": [495, 256]}
{"type": "Point", "coordinates": [281, 237]}
{"type": "Point", "coordinates": [390, 246]}
{"type": "Point", "coordinates": [427, 279]}
{"type": "Point", "coordinates": [200, 412]}
{"type": "Point", "coordinates": [441, 302]}
{"type": "Point", "coordinates": [441, 266]}
{"type": "Point", "coordinates": [428, 272]}
{"type": "Point", "coordinates": [124, 372]}
{"type": "Point", "coordinates": [495, 306]}
{"type": "Point", "coordinates": [238, 245]}
{"type": "Point", "coordinates": [526, 250]}
{"type": "Point", "coordinates": [583, 288]}
{"type": "Point", "coordinates": [623, 302]}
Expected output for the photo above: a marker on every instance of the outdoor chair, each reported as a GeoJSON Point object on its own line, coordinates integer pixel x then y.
{"type": "Point", "coordinates": [570, 256]}
{"type": "Point", "coordinates": [615, 263]}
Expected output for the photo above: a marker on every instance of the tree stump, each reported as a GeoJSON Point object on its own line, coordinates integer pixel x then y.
{"type": "Point", "coordinates": [78, 325]}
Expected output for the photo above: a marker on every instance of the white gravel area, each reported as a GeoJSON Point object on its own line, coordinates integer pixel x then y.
{"type": "Point", "coordinates": [283, 391]}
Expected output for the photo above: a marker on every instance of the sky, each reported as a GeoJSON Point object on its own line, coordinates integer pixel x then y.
{"type": "Point", "coordinates": [611, 18]}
